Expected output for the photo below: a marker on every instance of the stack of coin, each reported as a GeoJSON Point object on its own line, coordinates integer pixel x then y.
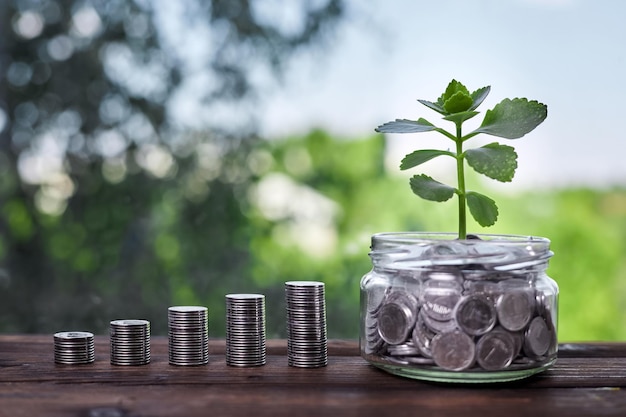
{"type": "Point", "coordinates": [245, 329]}
{"type": "Point", "coordinates": [188, 332]}
{"type": "Point", "coordinates": [74, 348]}
{"type": "Point", "coordinates": [130, 342]}
{"type": "Point", "coordinates": [307, 345]}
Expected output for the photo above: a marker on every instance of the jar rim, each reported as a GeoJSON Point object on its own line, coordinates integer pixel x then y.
{"type": "Point", "coordinates": [438, 237]}
{"type": "Point", "coordinates": [490, 251]}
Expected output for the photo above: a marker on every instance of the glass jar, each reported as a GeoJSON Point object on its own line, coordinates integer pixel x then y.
{"type": "Point", "coordinates": [478, 310]}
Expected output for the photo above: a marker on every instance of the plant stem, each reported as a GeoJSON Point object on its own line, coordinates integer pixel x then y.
{"type": "Point", "coordinates": [460, 170]}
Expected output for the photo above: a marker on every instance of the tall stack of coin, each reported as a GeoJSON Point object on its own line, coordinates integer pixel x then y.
{"type": "Point", "coordinates": [130, 342]}
{"type": "Point", "coordinates": [307, 345]}
{"type": "Point", "coordinates": [245, 329]}
{"type": "Point", "coordinates": [74, 348]}
{"type": "Point", "coordinates": [188, 332]}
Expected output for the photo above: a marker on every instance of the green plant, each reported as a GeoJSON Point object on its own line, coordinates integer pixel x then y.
{"type": "Point", "coordinates": [509, 119]}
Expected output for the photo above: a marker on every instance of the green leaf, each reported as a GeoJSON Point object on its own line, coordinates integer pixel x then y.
{"type": "Point", "coordinates": [453, 87]}
{"type": "Point", "coordinates": [423, 155]}
{"type": "Point", "coordinates": [406, 126]}
{"type": "Point", "coordinates": [433, 106]}
{"type": "Point", "coordinates": [461, 117]}
{"type": "Point", "coordinates": [460, 101]}
{"type": "Point", "coordinates": [479, 96]}
{"type": "Point", "coordinates": [482, 208]}
{"type": "Point", "coordinates": [493, 160]}
{"type": "Point", "coordinates": [512, 119]}
{"type": "Point", "coordinates": [429, 189]}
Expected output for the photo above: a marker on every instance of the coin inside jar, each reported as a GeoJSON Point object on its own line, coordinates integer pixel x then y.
{"type": "Point", "coordinates": [439, 303]}
{"type": "Point", "coordinates": [395, 322]}
{"type": "Point", "coordinates": [538, 338]}
{"type": "Point", "coordinates": [515, 309]}
{"type": "Point", "coordinates": [454, 351]}
{"type": "Point", "coordinates": [475, 314]}
{"type": "Point", "coordinates": [495, 350]}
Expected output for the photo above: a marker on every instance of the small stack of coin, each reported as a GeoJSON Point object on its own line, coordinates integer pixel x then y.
{"type": "Point", "coordinates": [130, 342]}
{"type": "Point", "coordinates": [245, 329]}
{"type": "Point", "coordinates": [307, 345]}
{"type": "Point", "coordinates": [188, 333]}
{"type": "Point", "coordinates": [74, 348]}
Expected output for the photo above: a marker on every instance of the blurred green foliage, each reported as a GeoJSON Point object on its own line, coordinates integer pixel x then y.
{"type": "Point", "coordinates": [307, 212]}
{"type": "Point", "coordinates": [109, 209]}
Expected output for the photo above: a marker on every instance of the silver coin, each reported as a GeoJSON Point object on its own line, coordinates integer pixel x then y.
{"type": "Point", "coordinates": [74, 355]}
{"type": "Point", "coordinates": [538, 338]}
{"type": "Point", "coordinates": [130, 361]}
{"type": "Point", "coordinates": [422, 336]}
{"type": "Point", "coordinates": [438, 326]}
{"type": "Point", "coordinates": [73, 335]}
{"type": "Point", "coordinates": [130, 323]}
{"type": "Point", "coordinates": [405, 349]}
{"type": "Point", "coordinates": [403, 297]}
{"type": "Point", "coordinates": [518, 339]}
{"type": "Point", "coordinates": [475, 314]}
{"type": "Point", "coordinates": [418, 360]}
{"type": "Point", "coordinates": [187, 310]}
{"type": "Point", "coordinates": [495, 350]}
{"type": "Point", "coordinates": [454, 351]}
{"type": "Point", "coordinates": [445, 278]}
{"type": "Point", "coordinates": [375, 299]}
{"type": "Point", "coordinates": [439, 303]}
{"type": "Point", "coordinates": [73, 360]}
{"type": "Point", "coordinates": [395, 322]}
{"type": "Point", "coordinates": [515, 309]}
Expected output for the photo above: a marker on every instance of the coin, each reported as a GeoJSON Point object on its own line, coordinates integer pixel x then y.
{"type": "Point", "coordinates": [402, 297]}
{"type": "Point", "coordinates": [454, 351]}
{"type": "Point", "coordinates": [438, 326]}
{"type": "Point", "coordinates": [475, 314]}
{"type": "Point", "coordinates": [495, 350]}
{"type": "Point", "coordinates": [422, 336]}
{"type": "Point", "coordinates": [515, 309]}
{"type": "Point", "coordinates": [538, 338]}
{"type": "Point", "coordinates": [395, 322]}
{"type": "Point", "coordinates": [405, 349]}
{"type": "Point", "coordinates": [439, 303]}
{"type": "Point", "coordinates": [375, 299]}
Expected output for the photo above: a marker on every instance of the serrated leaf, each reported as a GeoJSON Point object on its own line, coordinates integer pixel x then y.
{"type": "Point", "coordinates": [461, 117]}
{"type": "Point", "coordinates": [419, 157]}
{"type": "Point", "coordinates": [429, 189]}
{"type": "Point", "coordinates": [493, 160]}
{"type": "Point", "coordinates": [479, 96]}
{"type": "Point", "coordinates": [512, 119]}
{"type": "Point", "coordinates": [482, 208]}
{"type": "Point", "coordinates": [406, 126]}
{"type": "Point", "coordinates": [433, 106]}
{"type": "Point", "coordinates": [460, 101]}
{"type": "Point", "coordinates": [453, 87]}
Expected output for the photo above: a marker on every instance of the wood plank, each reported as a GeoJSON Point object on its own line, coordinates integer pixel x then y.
{"type": "Point", "coordinates": [588, 380]}
{"type": "Point", "coordinates": [102, 400]}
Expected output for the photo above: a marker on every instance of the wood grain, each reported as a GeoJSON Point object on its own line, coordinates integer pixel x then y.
{"type": "Point", "coordinates": [588, 380]}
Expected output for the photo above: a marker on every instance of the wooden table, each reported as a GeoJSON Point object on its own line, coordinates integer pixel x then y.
{"type": "Point", "coordinates": [588, 380]}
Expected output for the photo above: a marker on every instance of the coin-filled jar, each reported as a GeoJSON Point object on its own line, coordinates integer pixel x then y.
{"type": "Point", "coordinates": [437, 308]}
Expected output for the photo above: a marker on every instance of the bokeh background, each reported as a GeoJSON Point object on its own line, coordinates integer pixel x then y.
{"type": "Point", "coordinates": [157, 153]}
